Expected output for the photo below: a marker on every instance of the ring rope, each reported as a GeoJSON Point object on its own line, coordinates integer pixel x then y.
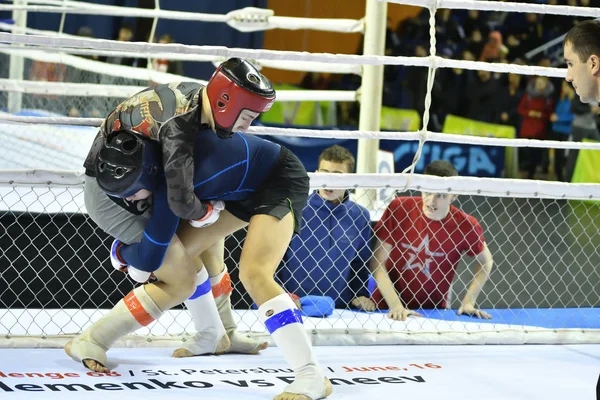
{"type": "Point", "coordinates": [248, 19]}
{"type": "Point", "coordinates": [337, 134]}
{"type": "Point", "coordinates": [124, 91]}
{"type": "Point", "coordinates": [64, 42]}
{"type": "Point", "coordinates": [495, 187]}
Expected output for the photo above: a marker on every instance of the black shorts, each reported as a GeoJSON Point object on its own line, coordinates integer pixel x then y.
{"type": "Point", "coordinates": [284, 190]}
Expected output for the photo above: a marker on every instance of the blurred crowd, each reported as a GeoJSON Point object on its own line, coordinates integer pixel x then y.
{"type": "Point", "coordinates": [538, 107]}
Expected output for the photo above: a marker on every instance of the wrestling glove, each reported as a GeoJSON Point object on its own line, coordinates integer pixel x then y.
{"type": "Point", "coordinates": [214, 207]}
{"type": "Point", "coordinates": [119, 264]}
{"type": "Point", "coordinates": [115, 258]}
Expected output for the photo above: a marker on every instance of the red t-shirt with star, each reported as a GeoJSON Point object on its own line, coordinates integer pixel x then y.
{"type": "Point", "coordinates": [425, 252]}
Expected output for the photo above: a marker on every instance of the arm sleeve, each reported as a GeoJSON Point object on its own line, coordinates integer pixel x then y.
{"type": "Point", "coordinates": [359, 267]}
{"type": "Point", "coordinates": [474, 238]}
{"type": "Point", "coordinates": [178, 159]}
{"type": "Point", "coordinates": [148, 254]}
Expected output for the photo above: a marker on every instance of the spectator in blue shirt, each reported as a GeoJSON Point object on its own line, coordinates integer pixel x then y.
{"type": "Point", "coordinates": [330, 256]}
{"type": "Point", "coordinates": [562, 119]}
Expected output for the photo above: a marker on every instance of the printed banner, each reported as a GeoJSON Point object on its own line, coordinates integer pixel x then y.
{"type": "Point", "coordinates": [395, 119]}
{"type": "Point", "coordinates": [232, 377]}
{"type": "Point", "coordinates": [300, 113]}
{"type": "Point", "coordinates": [385, 165]}
{"type": "Point", "coordinates": [586, 171]}
{"type": "Point", "coordinates": [469, 160]}
{"type": "Point", "coordinates": [324, 114]}
{"type": "Point", "coordinates": [587, 166]}
{"type": "Point", "coordinates": [355, 372]}
{"type": "Point", "coordinates": [464, 126]}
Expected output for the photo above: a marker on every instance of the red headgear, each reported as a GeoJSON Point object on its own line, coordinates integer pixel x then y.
{"type": "Point", "coordinates": [237, 85]}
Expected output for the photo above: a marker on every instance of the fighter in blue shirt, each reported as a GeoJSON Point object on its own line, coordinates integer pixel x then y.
{"type": "Point", "coordinates": [230, 172]}
{"type": "Point", "coordinates": [259, 184]}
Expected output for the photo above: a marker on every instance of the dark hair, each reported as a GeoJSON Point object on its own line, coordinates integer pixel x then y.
{"type": "Point", "coordinates": [585, 39]}
{"type": "Point", "coordinates": [85, 31]}
{"type": "Point", "coordinates": [127, 26]}
{"type": "Point", "coordinates": [440, 168]}
{"type": "Point", "coordinates": [338, 154]}
{"type": "Point", "coordinates": [167, 38]}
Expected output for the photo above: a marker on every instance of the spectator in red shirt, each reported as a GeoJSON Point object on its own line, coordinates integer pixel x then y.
{"type": "Point", "coordinates": [494, 50]}
{"type": "Point", "coordinates": [419, 242]}
{"type": "Point", "coordinates": [535, 107]}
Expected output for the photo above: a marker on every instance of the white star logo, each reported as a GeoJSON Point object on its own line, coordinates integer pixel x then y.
{"type": "Point", "coordinates": [421, 257]}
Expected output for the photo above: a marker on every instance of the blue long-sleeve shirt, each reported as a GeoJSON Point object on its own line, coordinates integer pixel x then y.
{"type": "Point", "coordinates": [228, 170]}
{"type": "Point", "coordinates": [330, 256]}
{"type": "Point", "coordinates": [565, 117]}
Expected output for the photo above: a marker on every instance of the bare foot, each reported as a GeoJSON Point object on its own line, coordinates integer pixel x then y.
{"type": "Point", "coordinates": [89, 363]}
{"type": "Point", "coordinates": [260, 347]}
{"type": "Point", "coordinates": [182, 353]}
{"type": "Point", "coordinates": [294, 396]}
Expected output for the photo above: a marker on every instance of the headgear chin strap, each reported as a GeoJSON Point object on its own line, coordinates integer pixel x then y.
{"type": "Point", "coordinates": [128, 162]}
{"type": "Point", "coordinates": [235, 86]}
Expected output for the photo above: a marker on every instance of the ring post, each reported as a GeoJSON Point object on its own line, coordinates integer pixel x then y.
{"type": "Point", "coordinates": [371, 96]}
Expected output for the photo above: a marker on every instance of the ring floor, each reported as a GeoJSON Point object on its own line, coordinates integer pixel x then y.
{"type": "Point", "coordinates": [357, 372]}
{"type": "Point", "coordinates": [511, 372]}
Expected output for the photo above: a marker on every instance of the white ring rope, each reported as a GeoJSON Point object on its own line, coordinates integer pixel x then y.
{"type": "Point", "coordinates": [98, 67]}
{"type": "Point", "coordinates": [216, 60]}
{"type": "Point", "coordinates": [248, 19]}
{"type": "Point", "coordinates": [496, 187]}
{"type": "Point", "coordinates": [338, 134]}
{"type": "Point", "coordinates": [68, 121]}
{"type": "Point", "coordinates": [430, 80]}
{"type": "Point", "coordinates": [224, 52]}
{"type": "Point", "coordinates": [115, 11]}
{"type": "Point", "coordinates": [508, 6]}
{"type": "Point", "coordinates": [76, 7]}
{"type": "Point", "coordinates": [124, 91]}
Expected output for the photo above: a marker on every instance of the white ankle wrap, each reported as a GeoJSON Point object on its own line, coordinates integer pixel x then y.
{"type": "Point", "coordinates": [205, 315]}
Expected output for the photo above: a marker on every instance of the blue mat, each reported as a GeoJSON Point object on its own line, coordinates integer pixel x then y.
{"type": "Point", "coordinates": [541, 317]}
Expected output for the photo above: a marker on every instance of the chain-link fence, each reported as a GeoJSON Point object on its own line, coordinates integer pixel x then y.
{"type": "Point", "coordinates": [55, 260]}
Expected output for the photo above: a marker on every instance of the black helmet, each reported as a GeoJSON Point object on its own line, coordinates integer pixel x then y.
{"type": "Point", "coordinates": [128, 162]}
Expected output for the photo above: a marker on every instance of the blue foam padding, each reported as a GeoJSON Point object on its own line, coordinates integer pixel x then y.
{"type": "Point", "coordinates": [317, 306]}
{"type": "Point", "coordinates": [314, 306]}
{"type": "Point", "coordinates": [539, 317]}
{"type": "Point", "coordinates": [36, 113]}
